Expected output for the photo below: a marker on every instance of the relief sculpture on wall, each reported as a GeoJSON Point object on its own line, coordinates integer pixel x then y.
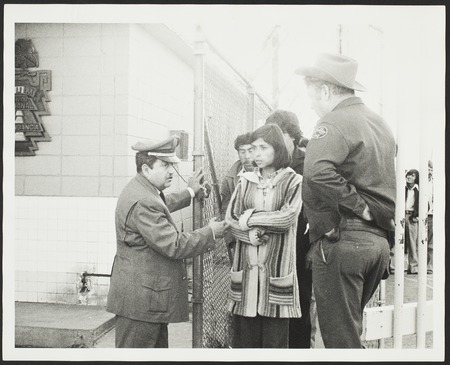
{"type": "Point", "coordinates": [31, 99]}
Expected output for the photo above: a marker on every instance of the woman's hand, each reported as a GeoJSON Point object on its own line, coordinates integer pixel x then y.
{"type": "Point", "coordinates": [258, 237]}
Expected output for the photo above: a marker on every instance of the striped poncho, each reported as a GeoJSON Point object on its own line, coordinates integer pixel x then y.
{"type": "Point", "coordinates": [263, 277]}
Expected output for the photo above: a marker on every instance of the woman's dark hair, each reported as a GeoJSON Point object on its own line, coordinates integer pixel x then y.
{"type": "Point", "coordinates": [288, 122]}
{"type": "Point", "coordinates": [142, 158]}
{"type": "Point", "coordinates": [273, 135]}
{"type": "Point", "coordinates": [414, 171]}
{"type": "Point", "coordinates": [242, 140]}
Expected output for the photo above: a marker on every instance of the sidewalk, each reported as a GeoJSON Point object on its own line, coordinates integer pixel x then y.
{"type": "Point", "coordinates": [180, 334]}
{"type": "Point", "coordinates": [59, 325]}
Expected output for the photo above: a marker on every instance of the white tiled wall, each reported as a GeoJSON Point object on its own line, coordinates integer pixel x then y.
{"type": "Point", "coordinates": [112, 84]}
{"type": "Point", "coordinates": [57, 239]}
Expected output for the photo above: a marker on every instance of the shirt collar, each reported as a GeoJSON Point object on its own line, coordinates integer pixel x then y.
{"type": "Point", "coordinates": [415, 186]}
{"type": "Point", "coordinates": [270, 177]}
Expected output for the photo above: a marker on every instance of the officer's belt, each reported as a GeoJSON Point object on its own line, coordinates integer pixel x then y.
{"type": "Point", "coordinates": [355, 223]}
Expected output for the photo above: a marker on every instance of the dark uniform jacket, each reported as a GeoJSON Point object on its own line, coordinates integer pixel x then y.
{"type": "Point", "coordinates": [148, 281]}
{"type": "Point", "coordinates": [349, 163]}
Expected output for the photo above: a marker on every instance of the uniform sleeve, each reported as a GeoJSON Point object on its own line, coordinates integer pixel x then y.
{"type": "Point", "coordinates": [324, 153]}
{"type": "Point", "coordinates": [178, 200]}
{"type": "Point", "coordinates": [233, 213]}
{"type": "Point", "coordinates": [279, 221]}
{"type": "Point", "coordinates": [158, 232]}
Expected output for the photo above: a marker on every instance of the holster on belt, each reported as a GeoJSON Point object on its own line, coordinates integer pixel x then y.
{"type": "Point", "coordinates": [333, 235]}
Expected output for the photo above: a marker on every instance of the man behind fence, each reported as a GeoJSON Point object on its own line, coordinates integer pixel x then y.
{"type": "Point", "coordinates": [349, 195]}
{"type": "Point", "coordinates": [149, 287]}
{"type": "Point", "coordinates": [243, 146]}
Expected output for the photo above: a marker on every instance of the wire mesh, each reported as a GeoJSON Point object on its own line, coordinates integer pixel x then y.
{"type": "Point", "coordinates": [226, 111]}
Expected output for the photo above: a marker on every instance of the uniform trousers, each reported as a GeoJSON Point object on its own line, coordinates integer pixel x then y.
{"type": "Point", "coordinates": [260, 332]}
{"type": "Point", "coordinates": [345, 275]}
{"type": "Point", "coordinates": [139, 334]}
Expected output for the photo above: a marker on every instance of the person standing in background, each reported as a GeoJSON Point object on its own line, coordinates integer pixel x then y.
{"type": "Point", "coordinates": [349, 193]}
{"type": "Point", "coordinates": [301, 330]}
{"type": "Point", "coordinates": [412, 220]}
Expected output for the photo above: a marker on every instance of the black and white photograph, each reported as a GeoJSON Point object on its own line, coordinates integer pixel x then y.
{"type": "Point", "coordinates": [200, 182]}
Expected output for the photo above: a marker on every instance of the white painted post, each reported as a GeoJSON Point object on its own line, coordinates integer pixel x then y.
{"type": "Point", "coordinates": [423, 239]}
{"type": "Point", "coordinates": [425, 154]}
{"type": "Point", "coordinates": [399, 247]}
{"type": "Point", "coordinates": [382, 303]}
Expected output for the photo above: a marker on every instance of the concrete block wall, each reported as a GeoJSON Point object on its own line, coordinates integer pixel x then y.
{"type": "Point", "coordinates": [100, 105]}
{"type": "Point", "coordinates": [88, 106]}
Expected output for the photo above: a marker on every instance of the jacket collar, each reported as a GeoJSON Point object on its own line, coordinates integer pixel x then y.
{"type": "Point", "coordinates": [141, 179]}
{"type": "Point", "coordinates": [253, 177]}
{"type": "Point", "coordinates": [234, 169]}
{"type": "Point", "coordinates": [298, 160]}
{"type": "Point", "coordinates": [352, 100]}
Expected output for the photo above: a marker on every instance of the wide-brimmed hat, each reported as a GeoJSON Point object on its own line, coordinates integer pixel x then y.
{"type": "Point", "coordinates": [335, 68]}
{"type": "Point", "coordinates": [164, 150]}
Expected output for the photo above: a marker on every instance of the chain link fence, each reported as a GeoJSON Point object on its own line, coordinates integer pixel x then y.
{"type": "Point", "coordinates": [227, 104]}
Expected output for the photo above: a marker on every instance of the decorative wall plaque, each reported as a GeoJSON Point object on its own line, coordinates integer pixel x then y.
{"type": "Point", "coordinates": [30, 98]}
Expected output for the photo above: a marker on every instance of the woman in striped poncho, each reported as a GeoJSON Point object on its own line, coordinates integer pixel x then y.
{"type": "Point", "coordinates": [263, 214]}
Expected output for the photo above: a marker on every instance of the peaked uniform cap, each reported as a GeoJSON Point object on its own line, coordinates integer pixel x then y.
{"type": "Point", "coordinates": [335, 68]}
{"type": "Point", "coordinates": [163, 150]}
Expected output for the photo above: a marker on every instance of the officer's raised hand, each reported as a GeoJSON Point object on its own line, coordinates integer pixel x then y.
{"type": "Point", "coordinates": [219, 228]}
{"type": "Point", "coordinates": [195, 181]}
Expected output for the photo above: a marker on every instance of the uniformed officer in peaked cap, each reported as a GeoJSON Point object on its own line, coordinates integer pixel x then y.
{"type": "Point", "coordinates": [164, 150]}
{"type": "Point", "coordinates": [149, 287]}
{"type": "Point", "coordinates": [349, 198]}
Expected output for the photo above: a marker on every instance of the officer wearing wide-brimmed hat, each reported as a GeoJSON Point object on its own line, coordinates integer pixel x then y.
{"type": "Point", "coordinates": [149, 286]}
{"type": "Point", "coordinates": [349, 198]}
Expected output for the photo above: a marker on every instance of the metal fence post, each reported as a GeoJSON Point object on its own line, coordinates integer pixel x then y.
{"type": "Point", "coordinates": [198, 155]}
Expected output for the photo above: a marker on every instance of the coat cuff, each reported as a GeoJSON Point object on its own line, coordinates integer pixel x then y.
{"type": "Point", "coordinates": [243, 219]}
{"type": "Point", "coordinates": [191, 192]}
